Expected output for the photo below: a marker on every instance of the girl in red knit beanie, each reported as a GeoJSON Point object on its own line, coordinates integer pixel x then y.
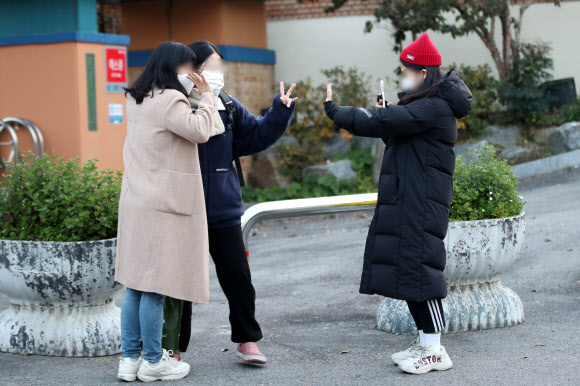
{"type": "Point", "coordinates": [405, 255]}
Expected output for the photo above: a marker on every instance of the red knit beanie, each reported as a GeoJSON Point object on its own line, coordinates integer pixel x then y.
{"type": "Point", "coordinates": [422, 52]}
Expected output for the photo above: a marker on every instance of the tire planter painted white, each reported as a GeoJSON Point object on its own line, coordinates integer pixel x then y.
{"type": "Point", "coordinates": [61, 297]}
{"type": "Point", "coordinates": [477, 254]}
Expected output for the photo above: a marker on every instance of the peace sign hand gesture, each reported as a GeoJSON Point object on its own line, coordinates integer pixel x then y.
{"type": "Point", "coordinates": [286, 98]}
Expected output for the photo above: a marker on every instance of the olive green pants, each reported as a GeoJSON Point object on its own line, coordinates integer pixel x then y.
{"type": "Point", "coordinates": [172, 315]}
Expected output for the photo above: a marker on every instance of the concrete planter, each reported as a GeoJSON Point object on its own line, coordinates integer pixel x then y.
{"type": "Point", "coordinates": [62, 298]}
{"type": "Point", "coordinates": [477, 254]}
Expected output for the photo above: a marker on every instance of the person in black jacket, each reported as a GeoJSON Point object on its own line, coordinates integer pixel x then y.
{"type": "Point", "coordinates": [404, 255]}
{"type": "Point", "coordinates": [224, 206]}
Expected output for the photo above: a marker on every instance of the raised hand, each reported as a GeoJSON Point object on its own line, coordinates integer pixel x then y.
{"type": "Point", "coordinates": [329, 92]}
{"type": "Point", "coordinates": [286, 98]}
{"type": "Point", "coordinates": [380, 104]}
{"type": "Point", "coordinates": [201, 84]}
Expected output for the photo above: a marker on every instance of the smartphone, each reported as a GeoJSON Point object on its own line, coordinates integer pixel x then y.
{"type": "Point", "coordinates": [383, 93]}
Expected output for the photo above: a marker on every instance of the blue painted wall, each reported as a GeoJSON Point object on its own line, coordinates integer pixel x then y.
{"type": "Point", "coordinates": [25, 17]}
{"type": "Point", "coordinates": [230, 53]}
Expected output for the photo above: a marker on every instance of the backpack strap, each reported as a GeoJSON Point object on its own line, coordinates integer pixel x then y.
{"type": "Point", "coordinates": [232, 113]}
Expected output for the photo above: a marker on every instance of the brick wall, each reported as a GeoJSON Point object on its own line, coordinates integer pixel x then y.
{"type": "Point", "coordinates": [253, 85]}
{"type": "Point", "coordinates": [292, 9]}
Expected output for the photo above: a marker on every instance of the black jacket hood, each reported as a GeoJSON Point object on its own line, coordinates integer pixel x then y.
{"type": "Point", "coordinates": [456, 94]}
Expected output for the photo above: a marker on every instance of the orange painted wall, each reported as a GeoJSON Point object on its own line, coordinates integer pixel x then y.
{"type": "Point", "coordinates": [244, 23]}
{"type": "Point", "coordinates": [46, 83]}
{"type": "Point", "coordinates": [196, 20]}
{"type": "Point", "coordinates": [38, 83]}
{"type": "Point", "coordinates": [146, 22]}
{"type": "Point", "coordinates": [106, 143]}
{"type": "Point", "coordinates": [227, 22]}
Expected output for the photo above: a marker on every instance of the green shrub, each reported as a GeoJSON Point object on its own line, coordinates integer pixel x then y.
{"type": "Point", "coordinates": [519, 99]}
{"type": "Point", "coordinates": [570, 113]}
{"type": "Point", "coordinates": [559, 117]}
{"type": "Point", "coordinates": [521, 93]}
{"type": "Point", "coordinates": [310, 187]}
{"type": "Point", "coordinates": [311, 124]}
{"type": "Point", "coordinates": [293, 158]}
{"type": "Point", "coordinates": [350, 88]}
{"type": "Point", "coordinates": [361, 161]}
{"type": "Point", "coordinates": [50, 199]}
{"type": "Point", "coordinates": [484, 189]}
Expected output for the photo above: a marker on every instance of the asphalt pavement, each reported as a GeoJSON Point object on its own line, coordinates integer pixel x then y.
{"type": "Point", "coordinates": [320, 331]}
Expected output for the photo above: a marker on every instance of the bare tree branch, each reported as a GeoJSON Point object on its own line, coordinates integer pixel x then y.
{"type": "Point", "coordinates": [518, 23]}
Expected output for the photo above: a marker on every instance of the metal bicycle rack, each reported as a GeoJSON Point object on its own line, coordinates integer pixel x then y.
{"type": "Point", "coordinates": [305, 207]}
{"type": "Point", "coordinates": [14, 154]}
{"type": "Point", "coordinates": [12, 125]}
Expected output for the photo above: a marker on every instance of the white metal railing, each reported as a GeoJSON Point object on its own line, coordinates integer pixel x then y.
{"type": "Point", "coordinates": [14, 153]}
{"type": "Point", "coordinates": [12, 125]}
{"type": "Point", "coordinates": [305, 207]}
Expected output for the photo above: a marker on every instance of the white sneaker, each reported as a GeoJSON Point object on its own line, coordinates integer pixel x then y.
{"type": "Point", "coordinates": [400, 356]}
{"type": "Point", "coordinates": [425, 359]}
{"type": "Point", "coordinates": [128, 368]}
{"type": "Point", "coordinates": [167, 369]}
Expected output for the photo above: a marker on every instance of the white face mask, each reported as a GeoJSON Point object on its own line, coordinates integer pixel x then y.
{"type": "Point", "coordinates": [186, 83]}
{"type": "Point", "coordinates": [215, 80]}
{"type": "Point", "coordinates": [408, 84]}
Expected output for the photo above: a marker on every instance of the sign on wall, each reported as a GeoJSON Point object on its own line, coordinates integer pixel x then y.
{"type": "Point", "coordinates": [116, 69]}
{"type": "Point", "coordinates": [91, 92]}
{"type": "Point", "coordinates": [115, 113]}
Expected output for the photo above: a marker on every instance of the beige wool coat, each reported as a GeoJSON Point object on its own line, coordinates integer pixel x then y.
{"type": "Point", "coordinates": [162, 242]}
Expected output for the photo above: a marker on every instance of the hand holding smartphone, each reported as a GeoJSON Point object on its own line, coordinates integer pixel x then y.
{"type": "Point", "coordinates": [380, 97]}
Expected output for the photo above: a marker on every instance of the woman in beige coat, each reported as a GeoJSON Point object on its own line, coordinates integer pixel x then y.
{"type": "Point", "coordinates": [162, 246]}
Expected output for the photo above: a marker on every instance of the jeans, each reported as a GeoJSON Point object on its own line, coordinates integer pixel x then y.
{"type": "Point", "coordinates": [142, 320]}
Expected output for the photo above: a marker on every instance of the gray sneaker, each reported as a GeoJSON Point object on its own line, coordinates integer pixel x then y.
{"type": "Point", "coordinates": [167, 369]}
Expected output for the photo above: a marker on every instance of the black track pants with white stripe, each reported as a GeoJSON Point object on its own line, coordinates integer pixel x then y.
{"type": "Point", "coordinates": [428, 315]}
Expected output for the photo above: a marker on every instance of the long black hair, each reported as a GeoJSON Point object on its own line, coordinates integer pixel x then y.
{"type": "Point", "coordinates": [430, 84]}
{"type": "Point", "coordinates": [161, 70]}
{"type": "Point", "coordinates": [203, 50]}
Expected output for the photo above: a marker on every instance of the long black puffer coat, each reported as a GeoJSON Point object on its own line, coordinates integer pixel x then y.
{"type": "Point", "coordinates": [404, 254]}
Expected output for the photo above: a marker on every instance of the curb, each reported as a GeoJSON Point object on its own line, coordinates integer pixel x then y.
{"type": "Point", "coordinates": [547, 165]}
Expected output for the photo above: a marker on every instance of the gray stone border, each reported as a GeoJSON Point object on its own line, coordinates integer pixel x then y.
{"type": "Point", "coordinates": [547, 165]}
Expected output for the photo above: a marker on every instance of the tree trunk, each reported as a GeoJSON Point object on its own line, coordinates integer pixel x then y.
{"type": "Point", "coordinates": [505, 19]}
{"type": "Point", "coordinates": [489, 42]}
{"type": "Point", "coordinates": [487, 37]}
